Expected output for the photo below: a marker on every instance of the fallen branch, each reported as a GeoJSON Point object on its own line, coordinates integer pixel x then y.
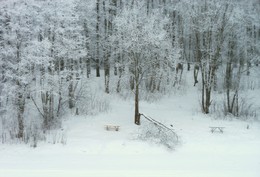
{"type": "Point", "coordinates": [160, 125]}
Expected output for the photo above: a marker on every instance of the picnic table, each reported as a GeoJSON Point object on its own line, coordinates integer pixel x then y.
{"type": "Point", "coordinates": [112, 127]}
{"type": "Point", "coordinates": [219, 129]}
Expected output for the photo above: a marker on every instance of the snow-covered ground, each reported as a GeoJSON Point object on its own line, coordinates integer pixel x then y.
{"type": "Point", "coordinates": [91, 151]}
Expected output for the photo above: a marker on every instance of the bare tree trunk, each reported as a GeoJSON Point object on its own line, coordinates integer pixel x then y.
{"type": "Point", "coordinates": [71, 96]}
{"type": "Point", "coordinates": [97, 39]}
{"type": "Point", "coordinates": [107, 76]}
{"type": "Point", "coordinates": [106, 50]}
{"type": "Point", "coordinates": [137, 114]}
{"type": "Point", "coordinates": [137, 82]}
{"type": "Point", "coordinates": [195, 74]}
{"type": "Point", "coordinates": [87, 59]}
{"type": "Point", "coordinates": [208, 100]}
{"type": "Point", "coordinates": [88, 67]}
{"type": "Point", "coordinates": [21, 108]}
{"type": "Point", "coordinates": [20, 98]}
{"type": "Point", "coordinates": [228, 86]}
{"type": "Point", "coordinates": [203, 90]}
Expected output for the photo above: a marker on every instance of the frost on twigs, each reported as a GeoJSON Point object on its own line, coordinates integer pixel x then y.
{"type": "Point", "coordinates": [156, 132]}
{"type": "Point", "coordinates": [91, 101]}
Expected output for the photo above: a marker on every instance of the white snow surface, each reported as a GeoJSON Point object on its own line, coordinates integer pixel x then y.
{"type": "Point", "coordinates": [91, 151]}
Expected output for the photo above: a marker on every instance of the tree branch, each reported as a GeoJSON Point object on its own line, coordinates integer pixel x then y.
{"type": "Point", "coordinates": [37, 106]}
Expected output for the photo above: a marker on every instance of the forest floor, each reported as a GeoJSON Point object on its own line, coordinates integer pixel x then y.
{"type": "Point", "coordinates": [92, 151]}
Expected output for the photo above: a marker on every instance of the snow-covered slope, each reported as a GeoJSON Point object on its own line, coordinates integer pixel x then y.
{"type": "Point", "coordinates": [91, 151]}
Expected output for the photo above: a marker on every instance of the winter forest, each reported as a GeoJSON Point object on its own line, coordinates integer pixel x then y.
{"type": "Point", "coordinates": [50, 50]}
{"type": "Point", "coordinates": [156, 71]}
{"type": "Point", "coordinates": [72, 58]}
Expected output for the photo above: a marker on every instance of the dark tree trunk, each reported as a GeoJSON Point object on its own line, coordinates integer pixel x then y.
{"type": "Point", "coordinates": [228, 86]}
{"type": "Point", "coordinates": [137, 71]}
{"type": "Point", "coordinates": [188, 68]}
{"type": "Point", "coordinates": [87, 59]}
{"type": "Point", "coordinates": [97, 39]}
{"type": "Point", "coordinates": [107, 73]}
{"type": "Point", "coordinates": [107, 49]}
{"type": "Point", "coordinates": [21, 107]}
{"type": "Point", "coordinates": [88, 67]}
{"type": "Point", "coordinates": [20, 98]}
{"type": "Point", "coordinates": [71, 96]}
{"type": "Point", "coordinates": [195, 74]}
{"type": "Point", "coordinates": [208, 101]}
{"type": "Point", "coordinates": [137, 114]}
{"type": "Point", "coordinates": [97, 68]}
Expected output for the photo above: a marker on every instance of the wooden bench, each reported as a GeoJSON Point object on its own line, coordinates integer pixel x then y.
{"type": "Point", "coordinates": [112, 127]}
{"type": "Point", "coordinates": [213, 129]}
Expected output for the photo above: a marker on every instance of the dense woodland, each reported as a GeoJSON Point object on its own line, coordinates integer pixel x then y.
{"type": "Point", "coordinates": [52, 50]}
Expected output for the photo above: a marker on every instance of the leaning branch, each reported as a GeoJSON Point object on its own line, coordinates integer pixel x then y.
{"type": "Point", "coordinates": [159, 124]}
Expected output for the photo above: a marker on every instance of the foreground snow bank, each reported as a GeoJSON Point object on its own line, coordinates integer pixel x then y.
{"type": "Point", "coordinates": [91, 151]}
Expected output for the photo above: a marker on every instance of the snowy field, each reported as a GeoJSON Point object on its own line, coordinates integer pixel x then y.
{"type": "Point", "coordinates": [91, 151]}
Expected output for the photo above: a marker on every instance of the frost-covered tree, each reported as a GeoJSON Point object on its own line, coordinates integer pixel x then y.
{"type": "Point", "coordinates": [241, 52]}
{"type": "Point", "coordinates": [144, 42]}
{"type": "Point", "coordinates": [16, 35]}
{"type": "Point", "coordinates": [62, 44]}
{"type": "Point", "coordinates": [209, 23]}
{"type": "Point", "coordinates": [42, 46]}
